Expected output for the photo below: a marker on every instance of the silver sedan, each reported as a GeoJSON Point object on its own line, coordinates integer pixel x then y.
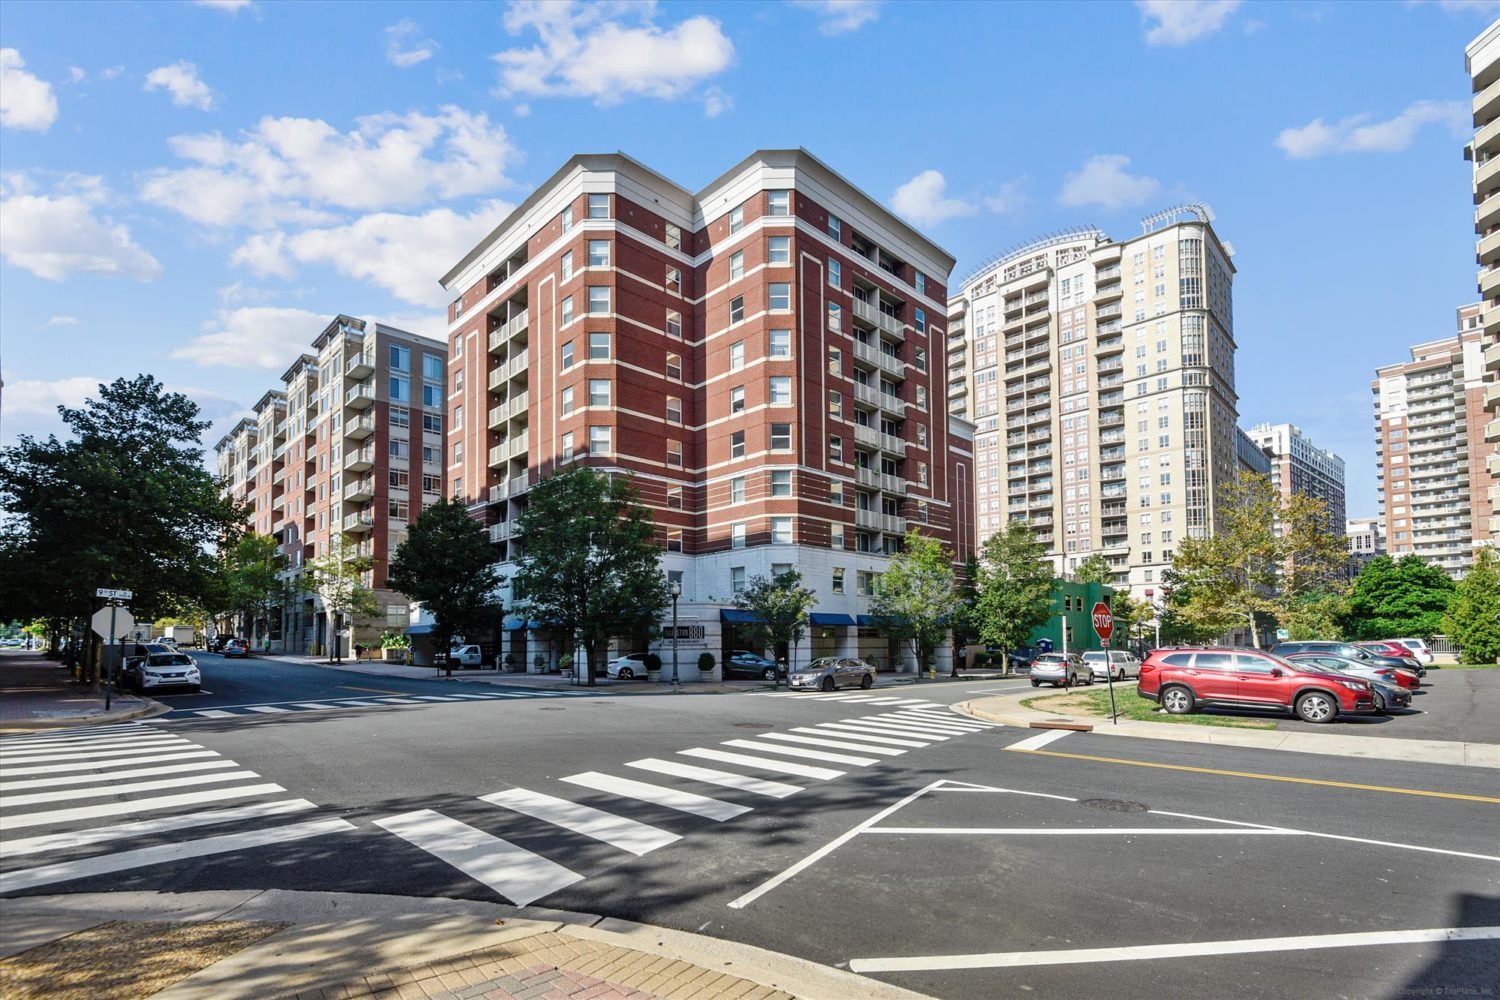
{"type": "Point", "coordinates": [829, 673]}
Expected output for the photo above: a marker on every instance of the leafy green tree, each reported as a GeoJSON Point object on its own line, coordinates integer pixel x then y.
{"type": "Point", "coordinates": [1316, 616]}
{"type": "Point", "coordinates": [1398, 597]}
{"type": "Point", "coordinates": [1473, 619]}
{"type": "Point", "coordinates": [779, 608]}
{"type": "Point", "coordinates": [1015, 589]}
{"type": "Point", "coordinates": [125, 502]}
{"type": "Point", "coordinates": [448, 565]}
{"type": "Point", "coordinates": [1186, 618]}
{"type": "Point", "coordinates": [255, 566]}
{"type": "Point", "coordinates": [1132, 617]}
{"type": "Point", "coordinates": [338, 578]}
{"type": "Point", "coordinates": [591, 564]}
{"type": "Point", "coordinates": [1093, 569]}
{"type": "Point", "coordinates": [914, 597]}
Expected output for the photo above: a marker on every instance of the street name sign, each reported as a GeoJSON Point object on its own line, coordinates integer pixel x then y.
{"type": "Point", "coordinates": [114, 595]}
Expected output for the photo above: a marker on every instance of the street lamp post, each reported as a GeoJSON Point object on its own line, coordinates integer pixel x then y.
{"type": "Point", "coordinates": [676, 591]}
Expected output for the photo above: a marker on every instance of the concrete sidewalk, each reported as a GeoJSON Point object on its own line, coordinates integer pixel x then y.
{"type": "Point", "coordinates": [322, 946]}
{"type": "Point", "coordinates": [1007, 709]}
{"type": "Point", "coordinates": [38, 693]}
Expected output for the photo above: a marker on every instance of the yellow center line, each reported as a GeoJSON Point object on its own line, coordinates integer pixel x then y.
{"type": "Point", "coordinates": [351, 687]}
{"type": "Point", "coordinates": [1269, 777]}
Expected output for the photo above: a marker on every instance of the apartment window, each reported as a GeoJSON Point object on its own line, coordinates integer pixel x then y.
{"type": "Point", "coordinates": [921, 283]}
{"type": "Point", "coordinates": [567, 310]}
{"type": "Point", "coordinates": [737, 535]}
{"type": "Point", "coordinates": [567, 266]}
{"type": "Point", "coordinates": [779, 250]}
{"type": "Point", "coordinates": [737, 489]}
{"type": "Point", "coordinates": [921, 397]}
{"type": "Point", "coordinates": [835, 273]}
{"type": "Point", "coordinates": [674, 498]}
{"type": "Point", "coordinates": [1164, 441]}
{"type": "Point", "coordinates": [598, 298]}
{"type": "Point", "coordinates": [400, 389]}
{"type": "Point", "coordinates": [737, 579]}
{"type": "Point", "coordinates": [921, 435]}
{"type": "Point", "coordinates": [400, 359]}
{"type": "Point", "coordinates": [598, 253]}
{"type": "Point", "coordinates": [598, 206]}
{"type": "Point", "coordinates": [920, 320]}
{"type": "Point", "coordinates": [835, 404]}
{"type": "Point", "coordinates": [781, 437]}
{"type": "Point", "coordinates": [835, 228]}
{"type": "Point", "coordinates": [922, 473]}
{"type": "Point", "coordinates": [598, 347]}
{"type": "Point", "coordinates": [432, 484]}
{"type": "Point", "coordinates": [674, 366]}
{"type": "Point", "coordinates": [781, 390]}
{"type": "Point", "coordinates": [737, 265]}
{"type": "Point", "coordinates": [567, 447]}
{"type": "Point", "coordinates": [674, 236]}
{"type": "Point", "coordinates": [737, 309]}
{"type": "Point", "coordinates": [835, 448]}
{"type": "Point", "coordinates": [836, 493]}
{"type": "Point", "coordinates": [567, 219]}
{"type": "Point", "coordinates": [458, 417]}
{"type": "Point", "coordinates": [674, 324]}
{"type": "Point", "coordinates": [737, 218]}
{"type": "Point", "coordinates": [736, 355]}
{"type": "Point", "coordinates": [598, 392]}
{"type": "Point", "coordinates": [865, 583]}
{"type": "Point", "coordinates": [780, 296]}
{"type": "Point", "coordinates": [430, 455]}
{"type": "Point", "coordinates": [566, 353]}
{"type": "Point", "coordinates": [400, 510]}
{"type": "Point", "coordinates": [737, 399]}
{"type": "Point", "coordinates": [835, 316]}
{"type": "Point", "coordinates": [674, 454]}
{"type": "Point", "coordinates": [458, 380]}
{"type": "Point", "coordinates": [919, 358]}
{"type": "Point", "coordinates": [781, 343]}
{"type": "Point", "coordinates": [778, 203]}
{"type": "Point", "coordinates": [838, 579]}
{"type": "Point", "coordinates": [400, 416]}
{"type": "Point", "coordinates": [400, 479]}
{"type": "Point", "coordinates": [737, 444]}
{"type": "Point", "coordinates": [781, 531]}
{"type": "Point", "coordinates": [600, 441]}
{"type": "Point", "coordinates": [674, 540]}
{"type": "Point", "coordinates": [567, 401]}
{"type": "Point", "coordinates": [674, 410]}
{"type": "Point", "coordinates": [781, 482]}
{"type": "Point", "coordinates": [432, 394]}
{"type": "Point", "coordinates": [458, 453]}
{"type": "Point", "coordinates": [835, 361]}
{"type": "Point", "coordinates": [674, 280]}
{"type": "Point", "coordinates": [836, 536]}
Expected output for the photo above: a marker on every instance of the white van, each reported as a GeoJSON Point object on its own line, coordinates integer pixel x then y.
{"type": "Point", "coordinates": [1121, 663]}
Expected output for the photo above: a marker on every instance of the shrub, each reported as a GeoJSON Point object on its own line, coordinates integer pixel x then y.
{"type": "Point", "coordinates": [653, 662]}
{"type": "Point", "coordinates": [539, 661]}
{"type": "Point", "coordinates": [395, 640]}
{"type": "Point", "coordinates": [565, 661]}
{"type": "Point", "coordinates": [706, 662]}
{"type": "Point", "coordinates": [510, 659]}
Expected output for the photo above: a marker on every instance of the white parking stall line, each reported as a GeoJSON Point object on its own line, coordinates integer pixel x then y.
{"type": "Point", "coordinates": [100, 791]}
{"type": "Point", "coordinates": [1334, 836]}
{"type": "Point", "coordinates": [1185, 949]}
{"type": "Point", "coordinates": [83, 779]}
{"type": "Point", "coordinates": [875, 726]}
{"type": "Point", "coordinates": [844, 733]}
{"type": "Point", "coordinates": [136, 805]}
{"type": "Point", "coordinates": [763, 764]}
{"type": "Point", "coordinates": [671, 798]}
{"type": "Point", "coordinates": [1106, 831]}
{"type": "Point", "coordinates": [833, 758]}
{"type": "Point", "coordinates": [214, 713]}
{"type": "Point", "coordinates": [160, 747]}
{"type": "Point", "coordinates": [89, 765]}
{"type": "Point", "coordinates": [709, 776]}
{"type": "Point", "coordinates": [67, 871]}
{"type": "Point", "coordinates": [1040, 740]}
{"type": "Point", "coordinates": [514, 872]}
{"type": "Point", "coordinates": [147, 827]}
{"type": "Point", "coordinates": [616, 831]}
{"type": "Point", "coordinates": [268, 709]}
{"type": "Point", "coordinates": [813, 741]}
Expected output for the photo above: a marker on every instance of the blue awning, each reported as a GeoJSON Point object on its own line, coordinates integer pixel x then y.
{"type": "Point", "coordinates": [734, 616]}
{"type": "Point", "coordinates": [513, 623]}
{"type": "Point", "coordinates": [865, 621]}
{"type": "Point", "coordinates": [420, 629]}
{"type": "Point", "coordinates": [830, 618]}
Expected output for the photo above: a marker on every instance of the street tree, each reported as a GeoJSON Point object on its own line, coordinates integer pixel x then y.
{"type": "Point", "coordinates": [447, 565]}
{"type": "Point", "coordinates": [1398, 597]}
{"type": "Point", "coordinates": [254, 566]}
{"type": "Point", "coordinates": [591, 564]}
{"type": "Point", "coordinates": [1093, 569]}
{"type": "Point", "coordinates": [124, 502]}
{"type": "Point", "coordinates": [1132, 617]}
{"type": "Point", "coordinates": [1473, 619]}
{"type": "Point", "coordinates": [914, 598]}
{"type": "Point", "coordinates": [778, 608]}
{"type": "Point", "coordinates": [1316, 616]}
{"type": "Point", "coordinates": [1015, 589]}
{"type": "Point", "coordinates": [338, 578]}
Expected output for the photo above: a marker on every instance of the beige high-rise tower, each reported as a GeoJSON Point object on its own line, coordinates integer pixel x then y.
{"type": "Point", "coordinates": [1100, 376]}
{"type": "Point", "coordinates": [1482, 57]}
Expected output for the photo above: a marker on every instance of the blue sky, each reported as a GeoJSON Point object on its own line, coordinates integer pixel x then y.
{"type": "Point", "coordinates": [192, 188]}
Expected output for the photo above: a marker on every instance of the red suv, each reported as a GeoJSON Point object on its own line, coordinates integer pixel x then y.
{"type": "Point", "coordinates": [1185, 679]}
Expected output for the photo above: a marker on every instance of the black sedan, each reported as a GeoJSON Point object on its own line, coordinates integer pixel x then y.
{"type": "Point", "coordinates": [743, 663]}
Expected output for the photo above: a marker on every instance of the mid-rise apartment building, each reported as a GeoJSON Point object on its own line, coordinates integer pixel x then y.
{"type": "Point", "coordinates": [350, 448]}
{"type": "Point", "coordinates": [1432, 460]}
{"type": "Point", "coordinates": [1482, 58]}
{"type": "Point", "coordinates": [764, 357]}
{"type": "Point", "coordinates": [1100, 378]}
{"type": "Point", "coordinates": [1299, 466]}
{"type": "Point", "coordinates": [1252, 457]}
{"type": "Point", "coordinates": [1366, 540]}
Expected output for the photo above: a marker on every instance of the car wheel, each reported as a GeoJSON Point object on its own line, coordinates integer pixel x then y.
{"type": "Point", "coordinates": [626, 674]}
{"type": "Point", "coordinates": [1317, 706]}
{"type": "Point", "coordinates": [867, 682]}
{"type": "Point", "coordinates": [1380, 706]}
{"type": "Point", "coordinates": [768, 674]}
{"type": "Point", "coordinates": [828, 684]}
{"type": "Point", "coordinates": [1035, 683]}
{"type": "Point", "coordinates": [1177, 700]}
{"type": "Point", "coordinates": [1090, 679]}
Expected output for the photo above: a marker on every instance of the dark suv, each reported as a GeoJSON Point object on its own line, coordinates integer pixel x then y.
{"type": "Point", "coordinates": [1348, 649]}
{"type": "Point", "coordinates": [1182, 680]}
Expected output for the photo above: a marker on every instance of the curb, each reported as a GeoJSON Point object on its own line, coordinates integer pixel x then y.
{"type": "Point", "coordinates": [150, 710]}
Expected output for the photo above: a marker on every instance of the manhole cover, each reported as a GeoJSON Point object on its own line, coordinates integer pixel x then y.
{"type": "Point", "coordinates": [1115, 805]}
{"type": "Point", "coordinates": [551, 708]}
{"type": "Point", "coordinates": [752, 725]}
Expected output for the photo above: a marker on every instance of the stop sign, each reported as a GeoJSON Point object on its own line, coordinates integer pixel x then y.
{"type": "Point", "coordinates": [1104, 622]}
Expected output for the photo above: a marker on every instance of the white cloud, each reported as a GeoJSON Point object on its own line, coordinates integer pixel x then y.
{"type": "Point", "coordinates": [1464, 6]}
{"type": "Point", "coordinates": [264, 253]}
{"type": "Point", "coordinates": [836, 17]}
{"type": "Point", "coordinates": [62, 321]}
{"type": "Point", "coordinates": [181, 80]}
{"type": "Point", "coordinates": [922, 202]}
{"type": "Point", "coordinates": [608, 51]}
{"type": "Point", "coordinates": [56, 234]}
{"type": "Point", "coordinates": [404, 254]}
{"type": "Point", "coordinates": [228, 6]}
{"type": "Point", "coordinates": [25, 101]}
{"type": "Point", "coordinates": [1362, 134]}
{"type": "Point", "coordinates": [716, 102]}
{"type": "Point", "coordinates": [405, 45]}
{"type": "Point", "coordinates": [1008, 198]}
{"type": "Point", "coordinates": [1104, 181]}
{"type": "Point", "coordinates": [111, 72]}
{"type": "Point", "coordinates": [37, 397]}
{"type": "Point", "coordinates": [1178, 22]}
{"type": "Point", "coordinates": [293, 169]}
{"type": "Point", "coordinates": [240, 292]}
{"type": "Point", "coordinates": [77, 74]}
{"type": "Point", "coordinates": [253, 337]}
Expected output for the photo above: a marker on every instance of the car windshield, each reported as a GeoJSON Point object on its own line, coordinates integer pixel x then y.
{"type": "Point", "coordinates": [822, 664]}
{"type": "Point", "coordinates": [1050, 658]}
{"type": "Point", "coordinates": [1095, 655]}
{"type": "Point", "coordinates": [169, 660]}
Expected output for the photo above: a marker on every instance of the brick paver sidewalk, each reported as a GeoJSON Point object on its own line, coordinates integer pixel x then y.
{"type": "Point", "coordinates": [35, 691]}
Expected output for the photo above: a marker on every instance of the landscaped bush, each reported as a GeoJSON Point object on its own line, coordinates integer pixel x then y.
{"type": "Point", "coordinates": [706, 663]}
{"type": "Point", "coordinates": [653, 662]}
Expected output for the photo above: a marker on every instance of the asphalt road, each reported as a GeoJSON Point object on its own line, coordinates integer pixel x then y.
{"type": "Point", "coordinates": [929, 839]}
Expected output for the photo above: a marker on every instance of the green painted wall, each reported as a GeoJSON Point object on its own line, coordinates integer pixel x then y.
{"type": "Point", "coordinates": [1075, 602]}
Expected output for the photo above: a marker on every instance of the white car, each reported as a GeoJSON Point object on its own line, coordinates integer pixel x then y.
{"type": "Point", "coordinates": [162, 670]}
{"type": "Point", "coordinates": [832, 672]}
{"type": "Point", "coordinates": [627, 667]}
{"type": "Point", "coordinates": [1418, 649]}
{"type": "Point", "coordinates": [1121, 664]}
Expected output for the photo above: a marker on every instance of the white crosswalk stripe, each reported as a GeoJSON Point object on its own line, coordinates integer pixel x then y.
{"type": "Point", "coordinates": [688, 802]}
{"type": "Point", "coordinates": [833, 758]}
{"type": "Point", "coordinates": [146, 827]}
{"type": "Point", "coordinates": [101, 791]}
{"type": "Point", "coordinates": [140, 772]}
{"type": "Point", "coordinates": [931, 727]}
{"type": "Point", "coordinates": [94, 765]}
{"type": "Point", "coordinates": [763, 764]}
{"type": "Point", "coordinates": [618, 831]}
{"type": "Point", "coordinates": [887, 729]}
{"type": "Point", "coordinates": [834, 744]}
{"type": "Point", "coordinates": [513, 872]}
{"type": "Point", "coordinates": [268, 709]}
{"type": "Point", "coordinates": [55, 816]}
{"type": "Point", "coordinates": [392, 701]}
{"type": "Point", "coordinates": [844, 733]}
{"type": "Point", "coordinates": [709, 776]}
{"type": "Point", "coordinates": [77, 753]}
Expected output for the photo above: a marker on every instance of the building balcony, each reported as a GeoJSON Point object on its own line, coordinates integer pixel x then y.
{"type": "Point", "coordinates": [886, 401]}
{"type": "Point", "coordinates": [360, 397]}
{"type": "Point", "coordinates": [880, 481]}
{"type": "Point", "coordinates": [280, 432]}
{"type": "Point", "coordinates": [502, 333]}
{"type": "Point", "coordinates": [515, 365]}
{"type": "Point", "coordinates": [873, 438]}
{"type": "Point", "coordinates": [1108, 293]}
{"type": "Point", "coordinates": [1492, 431]}
{"type": "Point", "coordinates": [359, 459]}
{"type": "Point", "coordinates": [875, 521]}
{"type": "Point", "coordinates": [360, 365]}
{"type": "Point", "coordinates": [867, 312]}
{"type": "Point", "coordinates": [1489, 281]}
{"type": "Point", "coordinates": [359, 522]}
{"type": "Point", "coordinates": [360, 490]}
{"type": "Point", "coordinates": [1491, 362]}
{"type": "Point", "coordinates": [1487, 215]}
{"type": "Point", "coordinates": [1487, 250]}
{"type": "Point", "coordinates": [885, 361]}
{"type": "Point", "coordinates": [507, 411]}
{"type": "Point", "coordinates": [500, 532]}
{"type": "Point", "coordinates": [1108, 311]}
{"type": "Point", "coordinates": [359, 428]}
{"type": "Point", "coordinates": [892, 325]}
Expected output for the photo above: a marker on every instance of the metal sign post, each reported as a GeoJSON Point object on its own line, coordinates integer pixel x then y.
{"type": "Point", "coordinates": [111, 623]}
{"type": "Point", "coordinates": [1104, 627]}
